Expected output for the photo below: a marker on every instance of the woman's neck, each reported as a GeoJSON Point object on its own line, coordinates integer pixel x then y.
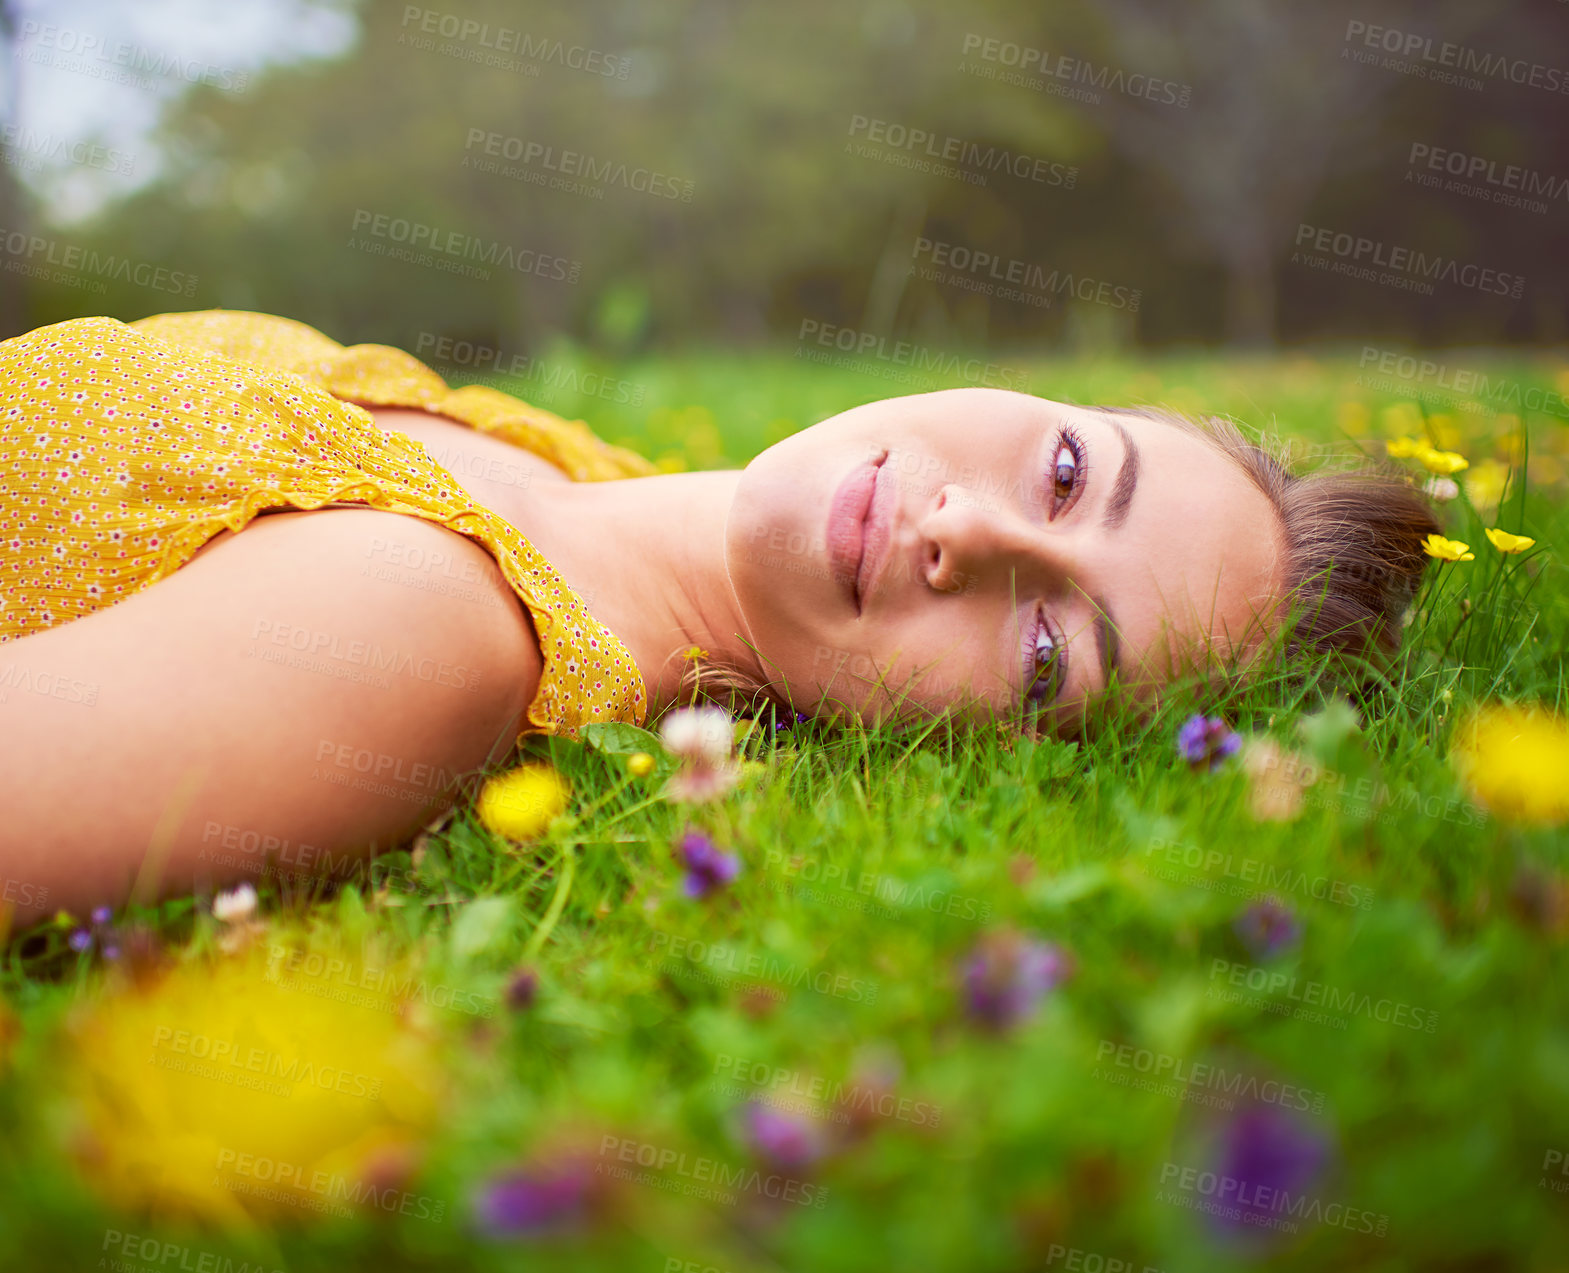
{"type": "Point", "coordinates": [647, 554]}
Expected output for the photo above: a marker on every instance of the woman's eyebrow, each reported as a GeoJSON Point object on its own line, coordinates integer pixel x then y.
{"type": "Point", "coordinates": [1121, 497]}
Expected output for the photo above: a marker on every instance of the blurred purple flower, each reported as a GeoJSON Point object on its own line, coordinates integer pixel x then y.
{"type": "Point", "coordinates": [1207, 741]}
{"type": "Point", "coordinates": [523, 989]}
{"type": "Point", "coordinates": [102, 915]}
{"type": "Point", "coordinates": [707, 868]}
{"type": "Point", "coordinates": [1007, 975]}
{"type": "Point", "coordinates": [533, 1202]}
{"type": "Point", "coordinates": [785, 1140]}
{"type": "Point", "coordinates": [1267, 1158]}
{"type": "Point", "coordinates": [81, 940]}
{"type": "Point", "coordinates": [1268, 928]}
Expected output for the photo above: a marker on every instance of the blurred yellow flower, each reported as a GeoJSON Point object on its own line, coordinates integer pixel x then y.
{"type": "Point", "coordinates": [1447, 549]}
{"type": "Point", "coordinates": [1444, 462]}
{"type": "Point", "coordinates": [1485, 485]}
{"type": "Point", "coordinates": [1444, 429]}
{"type": "Point", "coordinates": [1400, 417]}
{"type": "Point", "coordinates": [1507, 543]}
{"type": "Point", "coordinates": [1352, 418]}
{"type": "Point", "coordinates": [1404, 448]}
{"type": "Point", "coordinates": [251, 1089]}
{"type": "Point", "coordinates": [519, 804]}
{"type": "Point", "coordinates": [640, 764]}
{"type": "Point", "coordinates": [1516, 759]}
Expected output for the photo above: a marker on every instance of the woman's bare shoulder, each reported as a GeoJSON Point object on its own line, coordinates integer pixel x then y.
{"type": "Point", "coordinates": [322, 678]}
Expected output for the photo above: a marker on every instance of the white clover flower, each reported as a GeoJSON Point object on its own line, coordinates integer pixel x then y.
{"type": "Point", "coordinates": [698, 735]}
{"type": "Point", "coordinates": [235, 905]}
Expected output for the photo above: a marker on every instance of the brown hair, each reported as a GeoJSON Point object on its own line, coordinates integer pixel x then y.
{"type": "Point", "coordinates": [1353, 534]}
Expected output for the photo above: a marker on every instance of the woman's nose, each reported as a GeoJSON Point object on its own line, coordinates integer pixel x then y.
{"type": "Point", "coordinates": [974, 540]}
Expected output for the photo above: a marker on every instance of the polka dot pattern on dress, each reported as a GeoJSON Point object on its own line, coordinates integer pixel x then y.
{"type": "Point", "coordinates": [124, 448]}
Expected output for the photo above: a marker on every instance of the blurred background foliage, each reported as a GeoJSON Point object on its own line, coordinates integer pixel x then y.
{"type": "Point", "coordinates": [257, 192]}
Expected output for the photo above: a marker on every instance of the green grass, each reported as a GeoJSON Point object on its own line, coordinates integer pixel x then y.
{"type": "Point", "coordinates": [873, 864]}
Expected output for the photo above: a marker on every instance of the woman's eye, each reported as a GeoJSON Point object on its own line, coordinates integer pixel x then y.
{"type": "Point", "coordinates": [1043, 687]}
{"type": "Point", "coordinates": [1066, 471]}
{"type": "Point", "coordinates": [1069, 472]}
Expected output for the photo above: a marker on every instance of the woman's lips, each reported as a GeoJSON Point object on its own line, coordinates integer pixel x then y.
{"type": "Point", "coordinates": [846, 536]}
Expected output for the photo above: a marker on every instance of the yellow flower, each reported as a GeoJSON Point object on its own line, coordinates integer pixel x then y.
{"type": "Point", "coordinates": [249, 1089]}
{"type": "Point", "coordinates": [640, 764]}
{"type": "Point", "coordinates": [1405, 448]}
{"type": "Point", "coordinates": [1485, 486]}
{"type": "Point", "coordinates": [1400, 417]}
{"type": "Point", "coordinates": [695, 652]}
{"type": "Point", "coordinates": [1507, 543]}
{"type": "Point", "coordinates": [1352, 417]}
{"type": "Point", "coordinates": [1447, 549]}
{"type": "Point", "coordinates": [520, 804]}
{"type": "Point", "coordinates": [1445, 462]}
{"type": "Point", "coordinates": [1516, 758]}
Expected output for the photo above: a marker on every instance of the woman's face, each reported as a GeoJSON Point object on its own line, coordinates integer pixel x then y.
{"type": "Point", "coordinates": [984, 552]}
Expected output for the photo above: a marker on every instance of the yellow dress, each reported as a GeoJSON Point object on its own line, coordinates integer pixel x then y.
{"type": "Point", "coordinates": [124, 447]}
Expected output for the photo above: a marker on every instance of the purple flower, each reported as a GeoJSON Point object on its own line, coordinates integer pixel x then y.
{"type": "Point", "coordinates": [1268, 928]}
{"type": "Point", "coordinates": [102, 915]}
{"type": "Point", "coordinates": [1207, 741]}
{"type": "Point", "coordinates": [534, 1202]}
{"type": "Point", "coordinates": [707, 868]}
{"type": "Point", "coordinates": [786, 1141]}
{"type": "Point", "coordinates": [1007, 975]}
{"type": "Point", "coordinates": [81, 940]}
{"type": "Point", "coordinates": [1267, 1158]}
{"type": "Point", "coordinates": [522, 989]}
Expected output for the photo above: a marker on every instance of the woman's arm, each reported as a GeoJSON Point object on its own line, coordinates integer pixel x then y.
{"type": "Point", "coordinates": [298, 690]}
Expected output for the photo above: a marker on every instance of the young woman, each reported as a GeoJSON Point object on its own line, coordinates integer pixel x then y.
{"type": "Point", "coordinates": [180, 701]}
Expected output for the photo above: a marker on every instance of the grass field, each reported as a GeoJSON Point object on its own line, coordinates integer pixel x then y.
{"type": "Point", "coordinates": [971, 1003]}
